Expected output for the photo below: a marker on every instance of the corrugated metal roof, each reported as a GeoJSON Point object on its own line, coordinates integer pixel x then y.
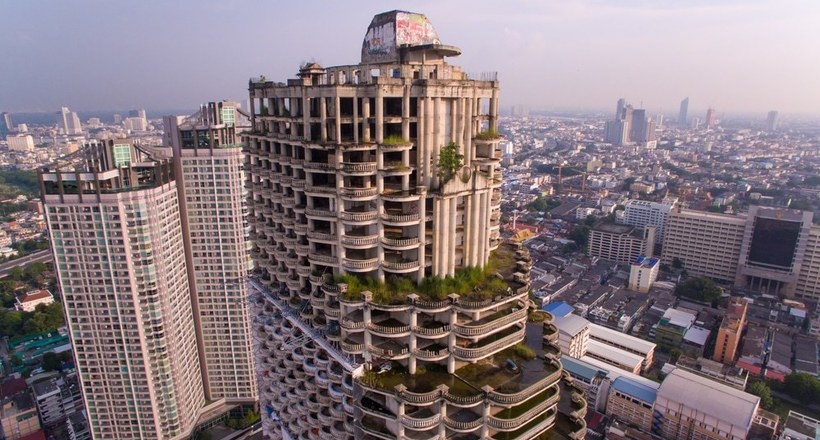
{"type": "Point", "coordinates": [635, 389]}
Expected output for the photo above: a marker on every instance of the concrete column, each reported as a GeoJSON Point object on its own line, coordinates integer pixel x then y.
{"type": "Point", "coordinates": [379, 115]}
{"type": "Point", "coordinates": [368, 339]}
{"type": "Point", "coordinates": [323, 118]}
{"type": "Point", "coordinates": [494, 110]}
{"type": "Point", "coordinates": [483, 217]}
{"type": "Point", "coordinates": [437, 137]}
{"type": "Point", "coordinates": [475, 198]}
{"type": "Point", "coordinates": [422, 210]}
{"type": "Point", "coordinates": [405, 110]}
{"type": "Point", "coordinates": [437, 239]}
{"type": "Point", "coordinates": [458, 126]}
{"type": "Point", "coordinates": [451, 237]}
{"type": "Point", "coordinates": [305, 115]}
{"type": "Point", "coordinates": [366, 119]}
{"type": "Point", "coordinates": [485, 414]}
{"type": "Point", "coordinates": [427, 146]}
{"type": "Point", "coordinates": [337, 115]}
{"type": "Point", "coordinates": [356, 120]}
{"type": "Point", "coordinates": [421, 167]}
{"type": "Point", "coordinates": [411, 365]}
{"type": "Point", "coordinates": [451, 342]}
{"type": "Point", "coordinates": [446, 250]}
{"type": "Point", "coordinates": [468, 231]}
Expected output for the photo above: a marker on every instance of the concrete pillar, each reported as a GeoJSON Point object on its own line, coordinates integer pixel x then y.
{"type": "Point", "coordinates": [366, 119]}
{"type": "Point", "coordinates": [337, 117]}
{"type": "Point", "coordinates": [437, 137]}
{"type": "Point", "coordinates": [411, 365]}
{"type": "Point", "coordinates": [451, 256]}
{"type": "Point", "coordinates": [323, 118]}
{"type": "Point", "coordinates": [494, 110]}
{"type": "Point", "coordinates": [379, 115]}
{"type": "Point", "coordinates": [475, 198]}
{"type": "Point", "coordinates": [405, 110]}
{"type": "Point", "coordinates": [356, 120]}
{"type": "Point", "coordinates": [305, 115]}
{"type": "Point", "coordinates": [368, 339]}
{"type": "Point", "coordinates": [451, 342]}
{"type": "Point", "coordinates": [437, 225]}
{"type": "Point", "coordinates": [421, 167]}
{"type": "Point", "coordinates": [446, 221]}
{"type": "Point", "coordinates": [427, 145]}
{"type": "Point", "coordinates": [422, 210]}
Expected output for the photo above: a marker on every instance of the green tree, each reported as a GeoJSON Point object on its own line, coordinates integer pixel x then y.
{"type": "Point", "coordinates": [580, 235]}
{"type": "Point", "coordinates": [449, 161]}
{"type": "Point", "coordinates": [760, 389]}
{"type": "Point", "coordinates": [803, 387]}
{"type": "Point", "coordinates": [677, 263]}
{"type": "Point", "coordinates": [699, 289]}
{"type": "Point", "coordinates": [51, 362]}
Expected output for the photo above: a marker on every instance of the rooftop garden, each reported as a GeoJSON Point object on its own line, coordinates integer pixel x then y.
{"type": "Point", "coordinates": [472, 283]}
{"type": "Point", "coordinates": [488, 135]}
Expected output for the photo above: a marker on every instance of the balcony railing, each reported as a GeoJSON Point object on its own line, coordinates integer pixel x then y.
{"type": "Point", "coordinates": [420, 423]}
{"type": "Point", "coordinates": [323, 258]}
{"type": "Point", "coordinates": [401, 218]}
{"type": "Point", "coordinates": [463, 426]}
{"type": "Point", "coordinates": [320, 212]}
{"type": "Point", "coordinates": [431, 354]}
{"type": "Point", "coordinates": [508, 399]}
{"type": "Point", "coordinates": [359, 216]}
{"type": "Point", "coordinates": [435, 331]}
{"type": "Point", "coordinates": [480, 352]}
{"type": "Point", "coordinates": [359, 192]}
{"type": "Point", "coordinates": [351, 240]}
{"type": "Point", "coordinates": [388, 352]}
{"type": "Point", "coordinates": [400, 242]}
{"type": "Point", "coordinates": [510, 318]}
{"type": "Point", "coordinates": [388, 330]}
{"type": "Point", "coordinates": [371, 263]}
{"type": "Point", "coordinates": [400, 265]}
{"type": "Point", "coordinates": [359, 167]}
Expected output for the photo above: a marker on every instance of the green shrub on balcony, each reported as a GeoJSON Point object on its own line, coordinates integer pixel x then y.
{"type": "Point", "coordinates": [488, 135]}
{"type": "Point", "coordinates": [523, 351]}
{"type": "Point", "coordinates": [394, 139]}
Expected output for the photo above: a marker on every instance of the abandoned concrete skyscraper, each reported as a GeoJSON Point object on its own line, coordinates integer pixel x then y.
{"type": "Point", "coordinates": [374, 199]}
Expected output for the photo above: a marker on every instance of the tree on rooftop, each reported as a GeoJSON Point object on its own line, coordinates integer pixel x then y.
{"type": "Point", "coordinates": [449, 161]}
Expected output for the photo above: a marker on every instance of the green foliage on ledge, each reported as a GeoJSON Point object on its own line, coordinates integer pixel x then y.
{"type": "Point", "coordinates": [488, 135]}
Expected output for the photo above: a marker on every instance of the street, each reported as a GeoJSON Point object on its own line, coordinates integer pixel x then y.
{"type": "Point", "coordinates": [41, 256]}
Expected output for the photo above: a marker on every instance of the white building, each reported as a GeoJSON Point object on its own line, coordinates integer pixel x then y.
{"type": "Point", "coordinates": [20, 142]}
{"type": "Point", "coordinates": [643, 272]}
{"type": "Point", "coordinates": [644, 213]}
{"type": "Point", "coordinates": [573, 335]}
{"type": "Point", "coordinates": [69, 122]}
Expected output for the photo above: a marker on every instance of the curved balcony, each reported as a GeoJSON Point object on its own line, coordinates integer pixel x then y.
{"type": "Point", "coordinates": [399, 195]}
{"type": "Point", "coordinates": [516, 398]}
{"type": "Point", "coordinates": [358, 194]}
{"type": "Point", "coordinates": [432, 331]}
{"type": "Point", "coordinates": [320, 190]}
{"type": "Point", "coordinates": [402, 243]}
{"type": "Point", "coordinates": [421, 420]}
{"type": "Point", "coordinates": [463, 426]}
{"type": "Point", "coordinates": [502, 422]}
{"type": "Point", "coordinates": [393, 353]}
{"type": "Point", "coordinates": [359, 217]}
{"type": "Point", "coordinates": [360, 265]}
{"type": "Point", "coordinates": [358, 168]}
{"type": "Point", "coordinates": [479, 328]}
{"type": "Point", "coordinates": [320, 213]}
{"type": "Point", "coordinates": [349, 324]}
{"type": "Point", "coordinates": [321, 236]}
{"type": "Point", "coordinates": [420, 398]}
{"type": "Point", "coordinates": [401, 219]}
{"type": "Point", "coordinates": [479, 306]}
{"type": "Point", "coordinates": [432, 306]}
{"type": "Point", "coordinates": [324, 259]}
{"type": "Point", "coordinates": [389, 328]}
{"type": "Point", "coordinates": [432, 355]}
{"type": "Point", "coordinates": [360, 242]}
{"type": "Point", "coordinates": [319, 166]}
{"type": "Point", "coordinates": [489, 349]}
{"type": "Point", "coordinates": [401, 266]}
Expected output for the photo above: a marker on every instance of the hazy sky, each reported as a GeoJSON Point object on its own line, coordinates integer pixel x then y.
{"type": "Point", "coordinates": [735, 55]}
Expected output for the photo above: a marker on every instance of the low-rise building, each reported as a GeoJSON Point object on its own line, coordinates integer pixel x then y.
{"type": "Point", "coordinates": [643, 272]}
{"type": "Point", "coordinates": [630, 344]}
{"type": "Point", "coordinates": [621, 243]}
{"type": "Point", "coordinates": [573, 335]}
{"type": "Point", "coordinates": [672, 328]}
{"type": "Point", "coordinates": [615, 357]}
{"type": "Point", "coordinates": [800, 427]}
{"type": "Point", "coordinates": [691, 406]}
{"type": "Point", "coordinates": [632, 402]}
{"type": "Point", "coordinates": [29, 301]}
{"type": "Point", "coordinates": [18, 416]}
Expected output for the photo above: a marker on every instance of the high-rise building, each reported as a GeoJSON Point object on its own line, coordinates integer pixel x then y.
{"type": "Point", "coordinates": [645, 213]}
{"type": "Point", "coordinates": [366, 180]}
{"type": "Point", "coordinates": [772, 120]}
{"type": "Point", "coordinates": [160, 328]}
{"type": "Point", "coordinates": [69, 122]}
{"type": "Point", "coordinates": [619, 109]}
{"type": "Point", "coordinates": [117, 118]}
{"type": "Point", "coordinates": [710, 118]}
{"type": "Point", "coordinates": [209, 165]}
{"type": "Point", "coordinates": [643, 127]}
{"type": "Point", "coordinates": [117, 242]}
{"type": "Point", "coordinates": [6, 125]}
{"type": "Point", "coordinates": [683, 113]}
{"type": "Point", "coordinates": [768, 250]}
{"type": "Point", "coordinates": [621, 243]}
{"type": "Point", "coordinates": [731, 327]}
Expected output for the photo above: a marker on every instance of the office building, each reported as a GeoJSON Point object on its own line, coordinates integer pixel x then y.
{"type": "Point", "coordinates": [643, 272]}
{"type": "Point", "coordinates": [690, 406]}
{"type": "Point", "coordinates": [683, 113]}
{"type": "Point", "coordinates": [772, 120]}
{"type": "Point", "coordinates": [707, 244]}
{"type": "Point", "coordinates": [6, 125]}
{"type": "Point", "coordinates": [365, 180]}
{"type": "Point", "coordinates": [116, 225]}
{"type": "Point", "coordinates": [209, 164]}
{"type": "Point", "coordinates": [621, 243]}
{"type": "Point", "coordinates": [20, 142]}
{"type": "Point", "coordinates": [731, 328]}
{"type": "Point", "coordinates": [642, 129]}
{"type": "Point", "coordinates": [632, 402]}
{"type": "Point", "coordinates": [710, 118]}
{"type": "Point", "coordinates": [69, 122]}
{"type": "Point", "coordinates": [646, 213]}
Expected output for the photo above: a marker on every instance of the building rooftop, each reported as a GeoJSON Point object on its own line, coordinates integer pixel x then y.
{"type": "Point", "coordinates": [697, 335]}
{"type": "Point", "coordinates": [678, 318]}
{"type": "Point", "coordinates": [630, 342]}
{"type": "Point", "coordinates": [579, 368]}
{"type": "Point", "coordinates": [710, 397]}
{"type": "Point", "coordinates": [571, 324]}
{"type": "Point", "coordinates": [392, 33]}
{"type": "Point", "coordinates": [559, 309]}
{"type": "Point", "coordinates": [604, 351]}
{"type": "Point", "coordinates": [635, 389]}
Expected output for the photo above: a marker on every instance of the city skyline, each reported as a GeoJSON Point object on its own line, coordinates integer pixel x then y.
{"type": "Point", "coordinates": [590, 53]}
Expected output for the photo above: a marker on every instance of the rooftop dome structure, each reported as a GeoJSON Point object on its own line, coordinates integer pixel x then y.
{"type": "Point", "coordinates": [391, 35]}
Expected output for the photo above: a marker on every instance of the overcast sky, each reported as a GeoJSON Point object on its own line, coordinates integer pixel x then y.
{"type": "Point", "coordinates": [738, 56]}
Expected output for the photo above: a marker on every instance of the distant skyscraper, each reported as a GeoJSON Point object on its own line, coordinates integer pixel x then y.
{"type": "Point", "coordinates": [710, 118]}
{"type": "Point", "coordinates": [6, 126]}
{"type": "Point", "coordinates": [683, 114]}
{"type": "Point", "coordinates": [643, 128]}
{"type": "Point", "coordinates": [117, 118]}
{"type": "Point", "coordinates": [619, 109]}
{"type": "Point", "coordinates": [772, 120]}
{"type": "Point", "coordinates": [69, 122]}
